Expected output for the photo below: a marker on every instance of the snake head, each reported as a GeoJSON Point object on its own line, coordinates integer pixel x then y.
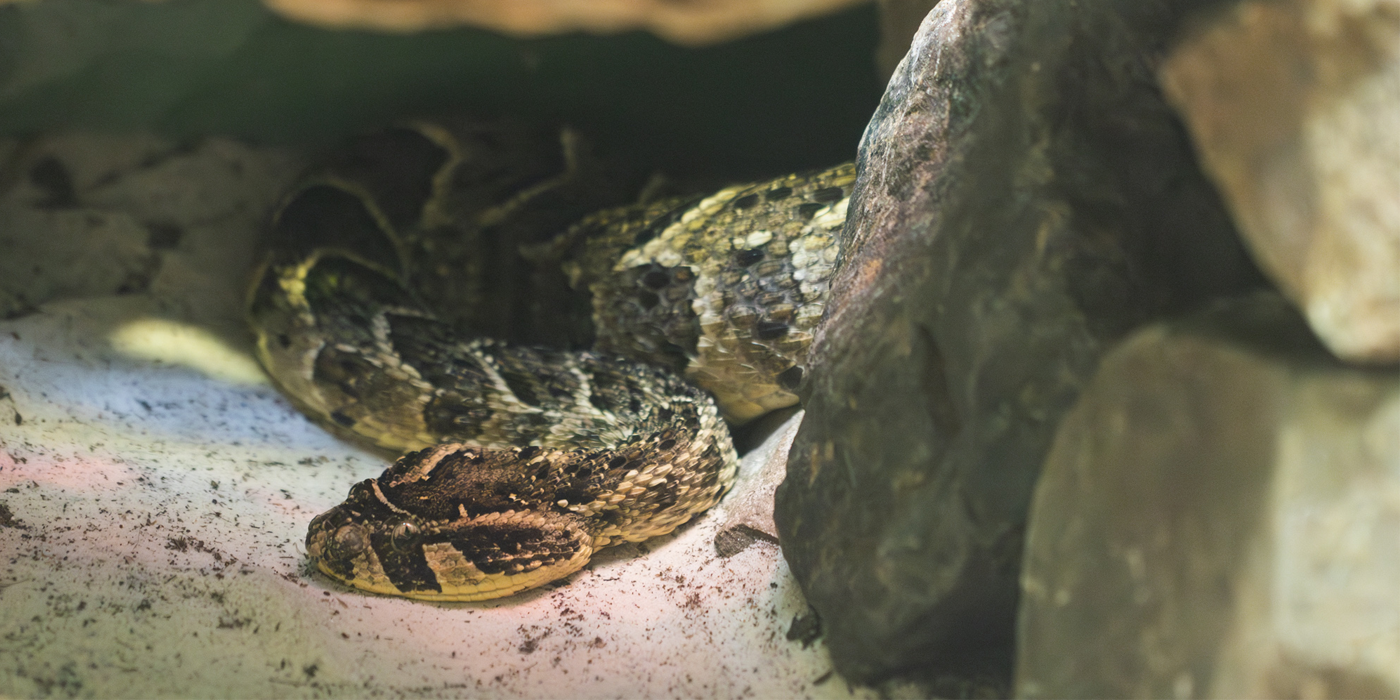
{"type": "Point", "coordinates": [352, 542]}
{"type": "Point", "coordinates": [371, 544]}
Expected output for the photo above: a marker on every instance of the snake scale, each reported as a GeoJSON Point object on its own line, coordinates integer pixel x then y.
{"type": "Point", "coordinates": [559, 380]}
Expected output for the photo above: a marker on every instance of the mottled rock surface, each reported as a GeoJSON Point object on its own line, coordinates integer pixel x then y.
{"type": "Point", "coordinates": [1219, 517]}
{"type": "Point", "coordinates": [899, 21]}
{"type": "Point", "coordinates": [70, 227]}
{"type": "Point", "coordinates": [1295, 107]}
{"type": "Point", "coordinates": [749, 515]}
{"type": "Point", "coordinates": [1025, 199]}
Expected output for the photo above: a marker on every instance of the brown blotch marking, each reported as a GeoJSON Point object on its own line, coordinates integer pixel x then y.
{"type": "Point", "coordinates": [778, 193]}
{"type": "Point", "coordinates": [455, 415]}
{"type": "Point", "coordinates": [645, 235]}
{"type": "Point", "coordinates": [744, 258]}
{"type": "Point", "coordinates": [768, 330]}
{"type": "Point", "coordinates": [406, 566]}
{"type": "Point", "coordinates": [828, 194]}
{"type": "Point", "coordinates": [342, 370]}
{"type": "Point", "coordinates": [809, 209]}
{"type": "Point", "coordinates": [326, 216]}
{"type": "Point", "coordinates": [522, 384]}
{"type": "Point", "coordinates": [745, 202]}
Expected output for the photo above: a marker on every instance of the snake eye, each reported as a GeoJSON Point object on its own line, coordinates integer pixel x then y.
{"type": "Point", "coordinates": [404, 536]}
{"type": "Point", "coordinates": [351, 540]}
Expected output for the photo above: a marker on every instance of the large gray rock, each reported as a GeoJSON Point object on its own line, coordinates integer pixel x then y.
{"type": "Point", "coordinates": [1295, 107]}
{"type": "Point", "coordinates": [1025, 199]}
{"type": "Point", "coordinates": [1219, 517]}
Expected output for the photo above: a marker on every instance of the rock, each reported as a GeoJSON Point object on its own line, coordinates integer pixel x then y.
{"type": "Point", "coordinates": [1025, 199]}
{"type": "Point", "coordinates": [691, 23]}
{"type": "Point", "coordinates": [1219, 517]}
{"type": "Point", "coordinates": [749, 513]}
{"type": "Point", "coordinates": [91, 254]}
{"type": "Point", "coordinates": [899, 20]}
{"type": "Point", "coordinates": [1293, 107]}
{"type": "Point", "coordinates": [94, 215]}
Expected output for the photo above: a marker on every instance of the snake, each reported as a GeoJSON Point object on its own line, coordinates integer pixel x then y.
{"type": "Point", "coordinates": [553, 357]}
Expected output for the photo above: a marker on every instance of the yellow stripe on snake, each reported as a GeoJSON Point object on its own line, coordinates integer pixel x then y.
{"type": "Point", "coordinates": [560, 380]}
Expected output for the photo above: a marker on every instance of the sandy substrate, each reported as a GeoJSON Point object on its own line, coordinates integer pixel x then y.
{"type": "Point", "coordinates": [156, 493]}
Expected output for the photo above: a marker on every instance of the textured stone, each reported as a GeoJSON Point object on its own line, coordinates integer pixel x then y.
{"type": "Point", "coordinates": [1025, 198]}
{"type": "Point", "coordinates": [1219, 517]}
{"type": "Point", "coordinates": [691, 23]}
{"type": "Point", "coordinates": [1295, 107]}
{"type": "Point", "coordinates": [749, 514]}
{"type": "Point", "coordinates": [70, 227]}
{"type": "Point", "coordinates": [899, 20]}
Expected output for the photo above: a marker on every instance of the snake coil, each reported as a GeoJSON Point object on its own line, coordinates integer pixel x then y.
{"type": "Point", "coordinates": [407, 296]}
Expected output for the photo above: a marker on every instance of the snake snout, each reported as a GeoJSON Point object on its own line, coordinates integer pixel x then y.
{"type": "Point", "coordinates": [316, 535]}
{"type": "Point", "coordinates": [335, 539]}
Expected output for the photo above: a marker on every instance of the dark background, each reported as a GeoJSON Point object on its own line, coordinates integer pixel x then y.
{"type": "Point", "coordinates": [785, 100]}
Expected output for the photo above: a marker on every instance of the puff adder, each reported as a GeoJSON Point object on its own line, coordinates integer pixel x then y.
{"type": "Point", "coordinates": [559, 379]}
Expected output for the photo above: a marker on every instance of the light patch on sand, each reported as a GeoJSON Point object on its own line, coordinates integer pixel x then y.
{"type": "Point", "coordinates": [190, 346]}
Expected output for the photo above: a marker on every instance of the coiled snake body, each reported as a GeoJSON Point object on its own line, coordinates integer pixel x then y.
{"type": "Point", "coordinates": [408, 298]}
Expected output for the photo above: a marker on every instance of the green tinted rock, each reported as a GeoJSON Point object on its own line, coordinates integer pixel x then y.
{"type": "Point", "coordinates": [1219, 517]}
{"type": "Point", "coordinates": [1025, 198]}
